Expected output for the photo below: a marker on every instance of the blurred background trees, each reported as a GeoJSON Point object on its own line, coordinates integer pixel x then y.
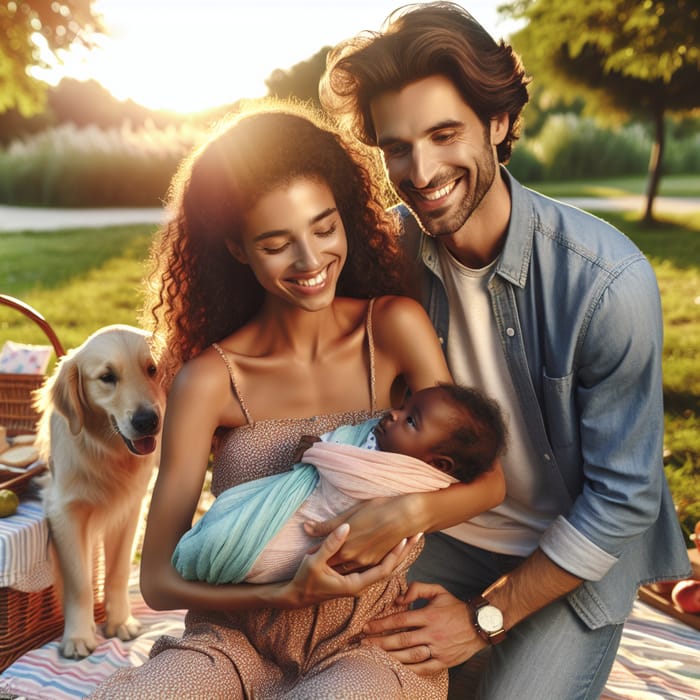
{"type": "Point", "coordinates": [616, 93]}
{"type": "Point", "coordinates": [626, 59]}
{"type": "Point", "coordinates": [26, 28]}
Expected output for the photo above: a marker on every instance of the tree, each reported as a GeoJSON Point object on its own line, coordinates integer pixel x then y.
{"type": "Point", "coordinates": [630, 57]}
{"type": "Point", "coordinates": [301, 80]}
{"type": "Point", "coordinates": [26, 25]}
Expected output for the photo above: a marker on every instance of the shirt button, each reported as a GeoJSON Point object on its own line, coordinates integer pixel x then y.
{"type": "Point", "coordinates": [547, 457]}
{"type": "Point", "coordinates": [510, 332]}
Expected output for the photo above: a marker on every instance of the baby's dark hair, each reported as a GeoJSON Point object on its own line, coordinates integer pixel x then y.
{"type": "Point", "coordinates": [479, 437]}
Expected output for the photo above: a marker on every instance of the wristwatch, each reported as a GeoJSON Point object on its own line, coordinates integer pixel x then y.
{"type": "Point", "coordinates": [487, 619]}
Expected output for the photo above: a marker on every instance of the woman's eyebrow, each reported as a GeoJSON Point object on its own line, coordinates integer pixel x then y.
{"type": "Point", "coordinates": [285, 231]}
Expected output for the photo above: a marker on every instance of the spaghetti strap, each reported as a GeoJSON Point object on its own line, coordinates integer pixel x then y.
{"type": "Point", "coordinates": [370, 345]}
{"type": "Point", "coordinates": [234, 386]}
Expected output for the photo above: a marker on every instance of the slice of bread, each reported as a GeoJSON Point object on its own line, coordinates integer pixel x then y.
{"type": "Point", "coordinates": [20, 456]}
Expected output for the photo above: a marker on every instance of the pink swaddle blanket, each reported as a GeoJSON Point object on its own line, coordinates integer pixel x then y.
{"type": "Point", "coordinates": [347, 475]}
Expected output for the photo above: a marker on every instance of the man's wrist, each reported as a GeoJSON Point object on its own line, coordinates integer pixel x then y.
{"type": "Point", "coordinates": [487, 620]}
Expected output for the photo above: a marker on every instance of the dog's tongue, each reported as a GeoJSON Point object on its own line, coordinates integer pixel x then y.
{"type": "Point", "coordinates": [145, 446]}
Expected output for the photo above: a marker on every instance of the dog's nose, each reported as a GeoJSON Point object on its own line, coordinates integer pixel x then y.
{"type": "Point", "coordinates": [145, 421]}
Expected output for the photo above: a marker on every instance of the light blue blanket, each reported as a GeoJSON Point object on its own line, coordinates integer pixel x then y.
{"type": "Point", "coordinates": [223, 544]}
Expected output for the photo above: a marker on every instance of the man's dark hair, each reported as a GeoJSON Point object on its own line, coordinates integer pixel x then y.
{"type": "Point", "coordinates": [479, 437]}
{"type": "Point", "coordinates": [416, 42]}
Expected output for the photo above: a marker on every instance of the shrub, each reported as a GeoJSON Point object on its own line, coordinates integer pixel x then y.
{"type": "Point", "coordinates": [524, 163]}
{"type": "Point", "coordinates": [571, 147]}
{"type": "Point", "coordinates": [69, 166]}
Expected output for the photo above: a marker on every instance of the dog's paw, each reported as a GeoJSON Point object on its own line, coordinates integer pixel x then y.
{"type": "Point", "coordinates": [126, 630]}
{"type": "Point", "coordinates": [77, 647]}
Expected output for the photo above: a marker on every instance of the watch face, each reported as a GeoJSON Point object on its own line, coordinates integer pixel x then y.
{"type": "Point", "coordinates": [490, 619]}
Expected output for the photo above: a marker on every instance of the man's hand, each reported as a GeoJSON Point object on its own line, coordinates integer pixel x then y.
{"type": "Point", "coordinates": [438, 636]}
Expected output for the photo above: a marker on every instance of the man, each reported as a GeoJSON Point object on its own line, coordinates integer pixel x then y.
{"type": "Point", "coordinates": [556, 314]}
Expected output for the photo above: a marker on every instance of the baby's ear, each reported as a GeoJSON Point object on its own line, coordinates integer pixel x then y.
{"type": "Point", "coordinates": [444, 463]}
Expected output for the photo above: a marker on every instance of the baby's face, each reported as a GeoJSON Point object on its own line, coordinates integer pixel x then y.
{"type": "Point", "coordinates": [425, 421]}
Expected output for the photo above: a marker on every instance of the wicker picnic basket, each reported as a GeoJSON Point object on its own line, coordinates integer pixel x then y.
{"type": "Point", "coordinates": [17, 412]}
{"type": "Point", "coordinates": [30, 619]}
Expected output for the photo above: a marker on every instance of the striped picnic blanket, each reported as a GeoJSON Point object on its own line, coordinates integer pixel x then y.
{"type": "Point", "coordinates": [659, 659]}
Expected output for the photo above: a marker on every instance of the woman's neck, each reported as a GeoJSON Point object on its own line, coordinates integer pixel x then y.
{"type": "Point", "coordinates": [299, 333]}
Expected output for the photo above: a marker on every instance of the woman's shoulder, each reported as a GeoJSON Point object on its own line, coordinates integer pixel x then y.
{"type": "Point", "coordinates": [383, 307]}
{"type": "Point", "coordinates": [202, 373]}
{"type": "Point", "coordinates": [396, 311]}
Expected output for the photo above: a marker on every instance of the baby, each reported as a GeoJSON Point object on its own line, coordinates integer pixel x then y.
{"type": "Point", "coordinates": [254, 531]}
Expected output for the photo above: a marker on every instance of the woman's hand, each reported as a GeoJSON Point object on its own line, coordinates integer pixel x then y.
{"type": "Point", "coordinates": [375, 528]}
{"type": "Point", "coordinates": [316, 580]}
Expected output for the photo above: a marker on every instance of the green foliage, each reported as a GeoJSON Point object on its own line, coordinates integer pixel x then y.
{"type": "Point", "coordinates": [624, 56]}
{"type": "Point", "coordinates": [573, 147]}
{"type": "Point", "coordinates": [525, 164]}
{"type": "Point", "coordinates": [69, 166]}
{"type": "Point", "coordinates": [26, 26]}
{"type": "Point", "coordinates": [632, 55]}
{"type": "Point", "coordinates": [301, 80]}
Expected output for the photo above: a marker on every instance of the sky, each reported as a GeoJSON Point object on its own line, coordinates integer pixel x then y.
{"type": "Point", "coordinates": [188, 55]}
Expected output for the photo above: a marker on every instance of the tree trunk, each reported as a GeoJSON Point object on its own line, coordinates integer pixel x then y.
{"type": "Point", "coordinates": [655, 162]}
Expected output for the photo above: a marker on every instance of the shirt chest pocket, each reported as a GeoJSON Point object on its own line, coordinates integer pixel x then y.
{"type": "Point", "coordinates": [560, 411]}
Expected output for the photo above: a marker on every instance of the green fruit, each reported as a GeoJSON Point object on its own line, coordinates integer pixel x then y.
{"type": "Point", "coordinates": [8, 502]}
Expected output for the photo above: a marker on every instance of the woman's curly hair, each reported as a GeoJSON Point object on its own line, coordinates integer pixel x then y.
{"type": "Point", "coordinates": [196, 292]}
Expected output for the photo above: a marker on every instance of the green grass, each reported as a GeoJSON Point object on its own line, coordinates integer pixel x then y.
{"type": "Point", "coordinates": [79, 280]}
{"type": "Point", "coordinates": [83, 279]}
{"type": "Point", "coordinates": [671, 186]}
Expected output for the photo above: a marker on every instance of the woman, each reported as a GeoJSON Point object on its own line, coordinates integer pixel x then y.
{"type": "Point", "coordinates": [267, 290]}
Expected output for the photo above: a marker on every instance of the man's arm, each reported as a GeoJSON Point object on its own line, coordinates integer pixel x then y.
{"type": "Point", "coordinates": [442, 633]}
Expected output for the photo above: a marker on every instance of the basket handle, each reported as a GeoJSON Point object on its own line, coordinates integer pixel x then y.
{"type": "Point", "coordinates": [35, 316]}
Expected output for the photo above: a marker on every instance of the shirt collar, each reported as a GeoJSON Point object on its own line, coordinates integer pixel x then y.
{"type": "Point", "coordinates": [514, 261]}
{"type": "Point", "coordinates": [517, 250]}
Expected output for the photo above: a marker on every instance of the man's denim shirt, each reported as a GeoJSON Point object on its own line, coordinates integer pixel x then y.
{"type": "Point", "coordinates": [578, 312]}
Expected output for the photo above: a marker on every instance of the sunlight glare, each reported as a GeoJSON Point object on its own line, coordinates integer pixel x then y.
{"type": "Point", "coordinates": [185, 56]}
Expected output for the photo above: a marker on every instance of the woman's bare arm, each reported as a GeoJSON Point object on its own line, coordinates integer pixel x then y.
{"type": "Point", "coordinates": [195, 407]}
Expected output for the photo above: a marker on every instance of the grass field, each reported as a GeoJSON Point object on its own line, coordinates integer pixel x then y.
{"type": "Point", "coordinates": [83, 279]}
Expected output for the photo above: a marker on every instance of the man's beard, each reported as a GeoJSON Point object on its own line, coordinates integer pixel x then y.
{"type": "Point", "coordinates": [448, 220]}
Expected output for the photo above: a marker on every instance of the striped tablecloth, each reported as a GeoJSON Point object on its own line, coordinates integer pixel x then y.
{"type": "Point", "coordinates": [24, 553]}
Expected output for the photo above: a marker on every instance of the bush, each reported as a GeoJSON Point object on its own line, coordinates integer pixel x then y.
{"type": "Point", "coordinates": [524, 163]}
{"type": "Point", "coordinates": [67, 166]}
{"type": "Point", "coordinates": [682, 156]}
{"type": "Point", "coordinates": [571, 147]}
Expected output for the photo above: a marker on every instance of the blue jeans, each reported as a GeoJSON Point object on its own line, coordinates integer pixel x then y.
{"type": "Point", "coordinates": [552, 655]}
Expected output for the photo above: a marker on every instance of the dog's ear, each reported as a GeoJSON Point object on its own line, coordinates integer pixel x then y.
{"type": "Point", "coordinates": [66, 394]}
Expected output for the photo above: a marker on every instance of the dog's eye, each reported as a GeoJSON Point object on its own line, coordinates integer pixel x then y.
{"type": "Point", "coordinates": [152, 370]}
{"type": "Point", "coordinates": [108, 378]}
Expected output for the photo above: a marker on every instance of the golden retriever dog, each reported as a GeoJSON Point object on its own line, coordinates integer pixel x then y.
{"type": "Point", "coordinates": [101, 416]}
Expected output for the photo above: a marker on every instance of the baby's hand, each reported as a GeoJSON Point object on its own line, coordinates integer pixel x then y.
{"type": "Point", "coordinates": [305, 441]}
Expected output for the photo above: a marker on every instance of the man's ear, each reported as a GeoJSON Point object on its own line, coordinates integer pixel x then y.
{"type": "Point", "coordinates": [444, 463]}
{"type": "Point", "coordinates": [237, 251]}
{"type": "Point", "coordinates": [499, 128]}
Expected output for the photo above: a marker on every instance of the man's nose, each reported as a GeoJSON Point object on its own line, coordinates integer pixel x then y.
{"type": "Point", "coordinates": [423, 166]}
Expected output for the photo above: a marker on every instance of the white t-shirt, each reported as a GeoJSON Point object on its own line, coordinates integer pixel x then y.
{"type": "Point", "coordinates": [476, 358]}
